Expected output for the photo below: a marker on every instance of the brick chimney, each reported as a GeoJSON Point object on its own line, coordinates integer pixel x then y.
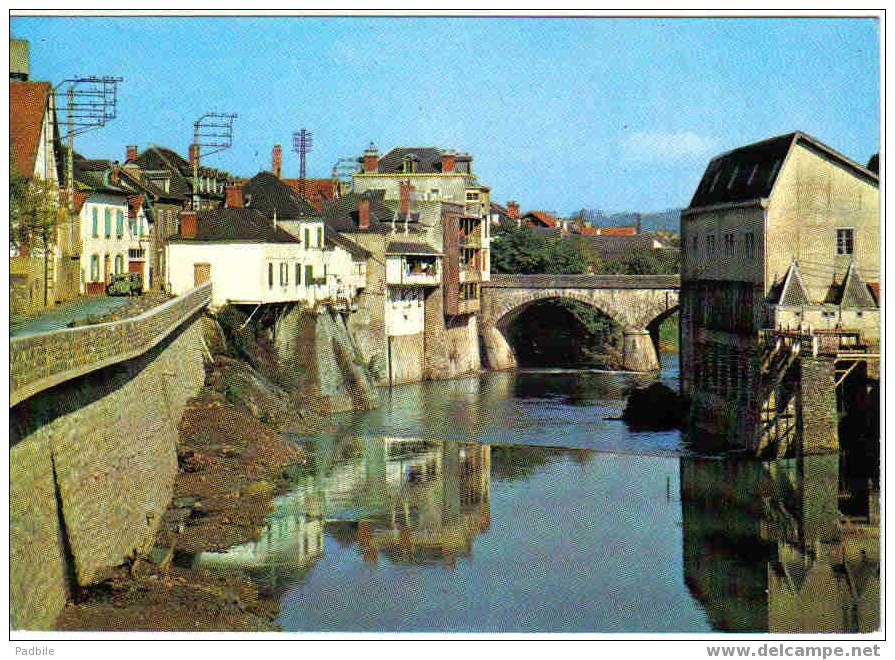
{"type": "Point", "coordinates": [371, 159]}
{"type": "Point", "coordinates": [276, 161]}
{"type": "Point", "coordinates": [363, 213]}
{"type": "Point", "coordinates": [406, 188]}
{"type": "Point", "coordinates": [189, 224]}
{"type": "Point", "coordinates": [513, 209]}
{"type": "Point", "coordinates": [233, 197]}
{"type": "Point", "coordinates": [194, 155]}
{"type": "Point", "coordinates": [448, 158]}
{"type": "Point", "coordinates": [131, 152]}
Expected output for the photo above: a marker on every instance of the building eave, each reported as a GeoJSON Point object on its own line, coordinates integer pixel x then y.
{"type": "Point", "coordinates": [758, 201]}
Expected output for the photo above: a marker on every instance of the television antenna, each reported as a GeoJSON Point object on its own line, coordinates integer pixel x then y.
{"type": "Point", "coordinates": [91, 102]}
{"type": "Point", "coordinates": [212, 133]}
{"type": "Point", "coordinates": [302, 143]}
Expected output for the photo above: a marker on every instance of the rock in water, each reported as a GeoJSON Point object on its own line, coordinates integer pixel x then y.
{"type": "Point", "coordinates": [655, 407]}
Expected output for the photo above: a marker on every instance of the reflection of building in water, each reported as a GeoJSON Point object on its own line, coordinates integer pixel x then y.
{"type": "Point", "coordinates": [436, 501]}
{"type": "Point", "coordinates": [286, 548]}
{"type": "Point", "coordinates": [768, 547]}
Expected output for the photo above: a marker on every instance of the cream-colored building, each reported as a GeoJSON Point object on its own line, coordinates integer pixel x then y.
{"type": "Point", "coordinates": [781, 234]}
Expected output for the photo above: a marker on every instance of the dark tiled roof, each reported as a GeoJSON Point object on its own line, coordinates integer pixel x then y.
{"type": "Point", "coordinates": [793, 292]}
{"type": "Point", "coordinates": [743, 174]}
{"type": "Point", "coordinates": [427, 160]}
{"type": "Point", "coordinates": [404, 247]}
{"type": "Point", "coordinates": [238, 224]}
{"type": "Point", "coordinates": [355, 250]}
{"type": "Point", "coordinates": [612, 247]}
{"type": "Point", "coordinates": [266, 193]}
{"type": "Point", "coordinates": [750, 172]}
{"type": "Point", "coordinates": [341, 214]}
{"type": "Point", "coordinates": [854, 291]}
{"type": "Point", "coordinates": [873, 164]}
{"type": "Point", "coordinates": [27, 103]}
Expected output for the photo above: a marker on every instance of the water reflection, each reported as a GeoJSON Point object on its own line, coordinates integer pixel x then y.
{"type": "Point", "coordinates": [768, 547]}
{"type": "Point", "coordinates": [399, 530]}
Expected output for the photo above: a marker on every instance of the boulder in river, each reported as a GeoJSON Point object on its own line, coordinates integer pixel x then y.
{"type": "Point", "coordinates": [655, 407]}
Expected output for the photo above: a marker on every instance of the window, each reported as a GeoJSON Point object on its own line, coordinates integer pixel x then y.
{"type": "Point", "coordinates": [119, 224]}
{"type": "Point", "coordinates": [715, 181]}
{"type": "Point", "coordinates": [136, 253]}
{"type": "Point", "coordinates": [774, 171]}
{"type": "Point", "coordinates": [94, 268]}
{"type": "Point", "coordinates": [749, 245]}
{"type": "Point", "coordinates": [728, 245]}
{"type": "Point", "coordinates": [710, 245]}
{"type": "Point", "coordinates": [284, 274]}
{"type": "Point", "coordinates": [297, 274]}
{"type": "Point", "coordinates": [471, 196]}
{"type": "Point", "coordinates": [319, 236]}
{"type": "Point", "coordinates": [119, 264]}
{"type": "Point", "coordinates": [752, 174]}
{"type": "Point", "coordinates": [95, 222]}
{"type": "Point", "coordinates": [733, 177]}
{"type": "Point", "coordinates": [845, 241]}
{"type": "Point", "coordinates": [309, 275]}
{"type": "Point", "coordinates": [269, 276]}
{"type": "Point", "coordinates": [307, 237]}
{"type": "Point", "coordinates": [108, 223]}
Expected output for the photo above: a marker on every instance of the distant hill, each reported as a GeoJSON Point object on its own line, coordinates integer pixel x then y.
{"type": "Point", "coordinates": [669, 219]}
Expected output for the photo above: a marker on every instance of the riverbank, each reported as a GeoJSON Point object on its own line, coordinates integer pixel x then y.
{"type": "Point", "coordinates": [231, 465]}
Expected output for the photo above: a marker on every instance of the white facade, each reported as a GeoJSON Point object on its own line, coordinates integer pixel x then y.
{"type": "Point", "coordinates": [255, 273]}
{"type": "Point", "coordinates": [109, 241]}
{"type": "Point", "coordinates": [404, 310]}
{"type": "Point", "coordinates": [412, 270]}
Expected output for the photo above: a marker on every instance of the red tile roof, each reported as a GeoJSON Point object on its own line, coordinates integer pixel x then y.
{"type": "Point", "coordinates": [317, 190]}
{"type": "Point", "coordinates": [585, 231]}
{"type": "Point", "coordinates": [874, 289]}
{"type": "Point", "coordinates": [541, 218]}
{"type": "Point", "coordinates": [27, 103]}
{"type": "Point", "coordinates": [618, 231]}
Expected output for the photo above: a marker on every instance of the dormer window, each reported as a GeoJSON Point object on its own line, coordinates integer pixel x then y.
{"type": "Point", "coordinates": [733, 176]}
{"type": "Point", "coordinates": [752, 174]}
{"type": "Point", "coordinates": [408, 165]}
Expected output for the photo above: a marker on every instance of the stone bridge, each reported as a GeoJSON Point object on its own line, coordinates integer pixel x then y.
{"type": "Point", "coordinates": [638, 303]}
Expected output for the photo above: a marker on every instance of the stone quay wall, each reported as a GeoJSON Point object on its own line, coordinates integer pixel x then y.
{"type": "Point", "coordinates": [93, 460]}
{"type": "Point", "coordinates": [38, 362]}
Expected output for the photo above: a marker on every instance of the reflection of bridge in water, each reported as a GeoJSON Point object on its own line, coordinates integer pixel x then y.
{"type": "Point", "coordinates": [782, 546]}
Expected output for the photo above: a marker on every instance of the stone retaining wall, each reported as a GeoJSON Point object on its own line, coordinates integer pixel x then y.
{"type": "Point", "coordinates": [37, 362]}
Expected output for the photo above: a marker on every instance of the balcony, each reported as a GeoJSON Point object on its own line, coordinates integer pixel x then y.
{"type": "Point", "coordinates": [413, 270]}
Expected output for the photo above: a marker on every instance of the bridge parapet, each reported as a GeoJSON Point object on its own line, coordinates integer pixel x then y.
{"type": "Point", "coordinates": [38, 362]}
{"type": "Point", "coordinates": [540, 281]}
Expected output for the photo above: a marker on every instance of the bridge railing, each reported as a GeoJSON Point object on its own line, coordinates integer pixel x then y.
{"type": "Point", "coordinates": [500, 281]}
{"type": "Point", "coordinates": [40, 361]}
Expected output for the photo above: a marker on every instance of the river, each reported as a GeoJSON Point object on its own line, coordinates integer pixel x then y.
{"type": "Point", "coordinates": [515, 502]}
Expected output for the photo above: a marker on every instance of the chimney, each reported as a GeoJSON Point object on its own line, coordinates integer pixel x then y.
{"type": "Point", "coordinates": [371, 159]}
{"type": "Point", "coordinates": [194, 155]}
{"type": "Point", "coordinates": [448, 158]}
{"type": "Point", "coordinates": [276, 161]}
{"type": "Point", "coordinates": [189, 224]}
{"type": "Point", "coordinates": [233, 197]}
{"type": "Point", "coordinates": [406, 188]}
{"type": "Point", "coordinates": [131, 152]}
{"type": "Point", "coordinates": [513, 209]}
{"type": "Point", "coordinates": [363, 213]}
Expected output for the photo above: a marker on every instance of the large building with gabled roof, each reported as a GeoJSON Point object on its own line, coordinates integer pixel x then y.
{"type": "Point", "coordinates": [781, 238]}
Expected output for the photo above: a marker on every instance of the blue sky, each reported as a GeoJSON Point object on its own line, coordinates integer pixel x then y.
{"type": "Point", "coordinates": [617, 114]}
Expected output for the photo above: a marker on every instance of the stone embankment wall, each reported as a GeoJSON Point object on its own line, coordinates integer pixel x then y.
{"type": "Point", "coordinates": [92, 464]}
{"type": "Point", "coordinates": [319, 358]}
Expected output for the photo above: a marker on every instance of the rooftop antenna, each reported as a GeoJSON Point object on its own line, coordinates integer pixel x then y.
{"type": "Point", "coordinates": [343, 169]}
{"type": "Point", "coordinates": [91, 103]}
{"type": "Point", "coordinates": [212, 133]}
{"type": "Point", "coordinates": [302, 143]}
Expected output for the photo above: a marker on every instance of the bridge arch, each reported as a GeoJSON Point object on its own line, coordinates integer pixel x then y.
{"type": "Point", "coordinates": [636, 303]}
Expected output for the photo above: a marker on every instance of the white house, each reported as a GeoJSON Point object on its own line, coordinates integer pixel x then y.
{"type": "Point", "coordinates": [409, 269]}
{"type": "Point", "coordinates": [247, 258]}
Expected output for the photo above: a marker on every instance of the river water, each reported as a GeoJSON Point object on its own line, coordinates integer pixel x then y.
{"type": "Point", "coordinates": [515, 502]}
